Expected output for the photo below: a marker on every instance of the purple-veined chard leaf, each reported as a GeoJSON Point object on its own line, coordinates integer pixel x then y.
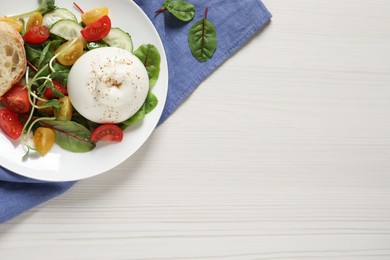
{"type": "Point", "coordinates": [202, 39]}
{"type": "Point", "coordinates": [150, 57]}
{"type": "Point", "coordinates": [150, 103]}
{"type": "Point", "coordinates": [182, 10]}
{"type": "Point", "coordinates": [70, 135]}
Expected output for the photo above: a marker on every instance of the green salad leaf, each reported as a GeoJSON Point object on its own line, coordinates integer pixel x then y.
{"type": "Point", "coordinates": [70, 135]}
{"type": "Point", "coordinates": [40, 55]}
{"type": "Point", "coordinates": [33, 54]}
{"type": "Point", "coordinates": [48, 53]}
{"type": "Point", "coordinates": [202, 39]}
{"type": "Point", "coordinates": [151, 59]}
{"type": "Point", "coordinates": [96, 45]}
{"type": "Point", "coordinates": [182, 10]}
{"type": "Point", "coordinates": [150, 103]}
{"type": "Point", "coordinates": [44, 7]}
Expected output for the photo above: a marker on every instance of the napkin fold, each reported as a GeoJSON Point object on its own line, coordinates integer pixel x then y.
{"type": "Point", "coordinates": [235, 21]}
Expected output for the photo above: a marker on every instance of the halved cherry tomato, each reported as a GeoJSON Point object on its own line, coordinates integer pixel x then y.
{"type": "Point", "coordinates": [93, 15]}
{"type": "Point", "coordinates": [44, 139]}
{"type": "Point", "coordinates": [10, 124]}
{"type": "Point", "coordinates": [69, 55]}
{"type": "Point", "coordinates": [34, 20]}
{"type": "Point", "coordinates": [97, 30]}
{"type": "Point", "coordinates": [66, 109]}
{"type": "Point", "coordinates": [37, 34]}
{"type": "Point", "coordinates": [13, 22]}
{"type": "Point", "coordinates": [16, 99]}
{"type": "Point", "coordinates": [108, 133]}
{"type": "Point", "coordinates": [58, 86]}
{"type": "Point", "coordinates": [48, 111]}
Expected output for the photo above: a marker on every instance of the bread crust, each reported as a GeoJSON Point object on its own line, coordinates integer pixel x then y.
{"type": "Point", "coordinates": [13, 61]}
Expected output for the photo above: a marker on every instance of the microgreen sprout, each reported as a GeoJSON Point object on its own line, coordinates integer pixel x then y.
{"type": "Point", "coordinates": [34, 96]}
{"type": "Point", "coordinates": [44, 7]}
{"type": "Point", "coordinates": [78, 7]}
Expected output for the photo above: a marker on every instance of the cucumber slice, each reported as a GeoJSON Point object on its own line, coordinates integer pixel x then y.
{"type": "Point", "coordinates": [67, 29]}
{"type": "Point", "coordinates": [119, 38]}
{"type": "Point", "coordinates": [54, 16]}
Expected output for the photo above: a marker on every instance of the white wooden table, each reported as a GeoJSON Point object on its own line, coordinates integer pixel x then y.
{"type": "Point", "coordinates": [283, 153]}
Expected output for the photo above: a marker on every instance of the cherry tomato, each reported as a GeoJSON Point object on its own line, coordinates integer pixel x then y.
{"type": "Point", "coordinates": [108, 133]}
{"type": "Point", "coordinates": [16, 99]}
{"type": "Point", "coordinates": [58, 86]}
{"type": "Point", "coordinates": [94, 15]}
{"type": "Point", "coordinates": [37, 34]}
{"type": "Point", "coordinates": [68, 56]}
{"type": "Point", "coordinates": [97, 30]}
{"type": "Point", "coordinates": [13, 22]}
{"type": "Point", "coordinates": [44, 139]}
{"type": "Point", "coordinates": [66, 109]}
{"type": "Point", "coordinates": [34, 20]}
{"type": "Point", "coordinates": [10, 124]}
{"type": "Point", "coordinates": [48, 111]}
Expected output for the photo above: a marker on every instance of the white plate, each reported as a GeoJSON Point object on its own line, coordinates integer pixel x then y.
{"type": "Point", "coordinates": [60, 165]}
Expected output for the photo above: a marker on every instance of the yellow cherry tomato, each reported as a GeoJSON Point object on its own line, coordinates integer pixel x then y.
{"type": "Point", "coordinates": [44, 139]}
{"type": "Point", "coordinates": [34, 20]}
{"type": "Point", "coordinates": [69, 53]}
{"type": "Point", "coordinates": [93, 15]}
{"type": "Point", "coordinates": [49, 111]}
{"type": "Point", "coordinates": [13, 22]}
{"type": "Point", "coordinates": [66, 109]}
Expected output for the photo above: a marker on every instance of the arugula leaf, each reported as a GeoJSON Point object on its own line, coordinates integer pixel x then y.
{"type": "Point", "coordinates": [151, 59]}
{"type": "Point", "coordinates": [202, 39]}
{"type": "Point", "coordinates": [61, 75]}
{"type": "Point", "coordinates": [48, 52]}
{"type": "Point", "coordinates": [33, 55]}
{"type": "Point", "coordinates": [70, 135]}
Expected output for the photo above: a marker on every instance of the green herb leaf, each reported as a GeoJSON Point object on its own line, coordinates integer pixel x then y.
{"type": "Point", "coordinates": [202, 39]}
{"type": "Point", "coordinates": [182, 10]}
{"type": "Point", "coordinates": [134, 119]}
{"type": "Point", "coordinates": [33, 55]}
{"type": "Point", "coordinates": [44, 7]}
{"type": "Point", "coordinates": [149, 105]}
{"type": "Point", "coordinates": [61, 74]}
{"type": "Point", "coordinates": [96, 45]}
{"type": "Point", "coordinates": [52, 103]}
{"type": "Point", "coordinates": [151, 59]}
{"type": "Point", "coordinates": [48, 53]}
{"type": "Point", "coordinates": [50, 5]}
{"type": "Point", "coordinates": [71, 136]}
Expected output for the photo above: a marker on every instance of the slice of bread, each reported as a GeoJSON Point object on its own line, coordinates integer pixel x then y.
{"type": "Point", "coordinates": [13, 61]}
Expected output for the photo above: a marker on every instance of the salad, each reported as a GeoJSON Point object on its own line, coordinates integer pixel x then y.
{"type": "Point", "coordinates": [38, 110]}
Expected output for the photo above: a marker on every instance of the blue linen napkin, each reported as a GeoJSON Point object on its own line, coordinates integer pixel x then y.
{"type": "Point", "coordinates": [236, 23]}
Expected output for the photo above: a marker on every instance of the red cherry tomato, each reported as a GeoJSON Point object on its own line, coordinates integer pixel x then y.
{"type": "Point", "coordinates": [10, 124]}
{"type": "Point", "coordinates": [37, 34]}
{"type": "Point", "coordinates": [58, 86]}
{"type": "Point", "coordinates": [97, 30]}
{"type": "Point", "coordinates": [108, 133]}
{"type": "Point", "coordinates": [16, 99]}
